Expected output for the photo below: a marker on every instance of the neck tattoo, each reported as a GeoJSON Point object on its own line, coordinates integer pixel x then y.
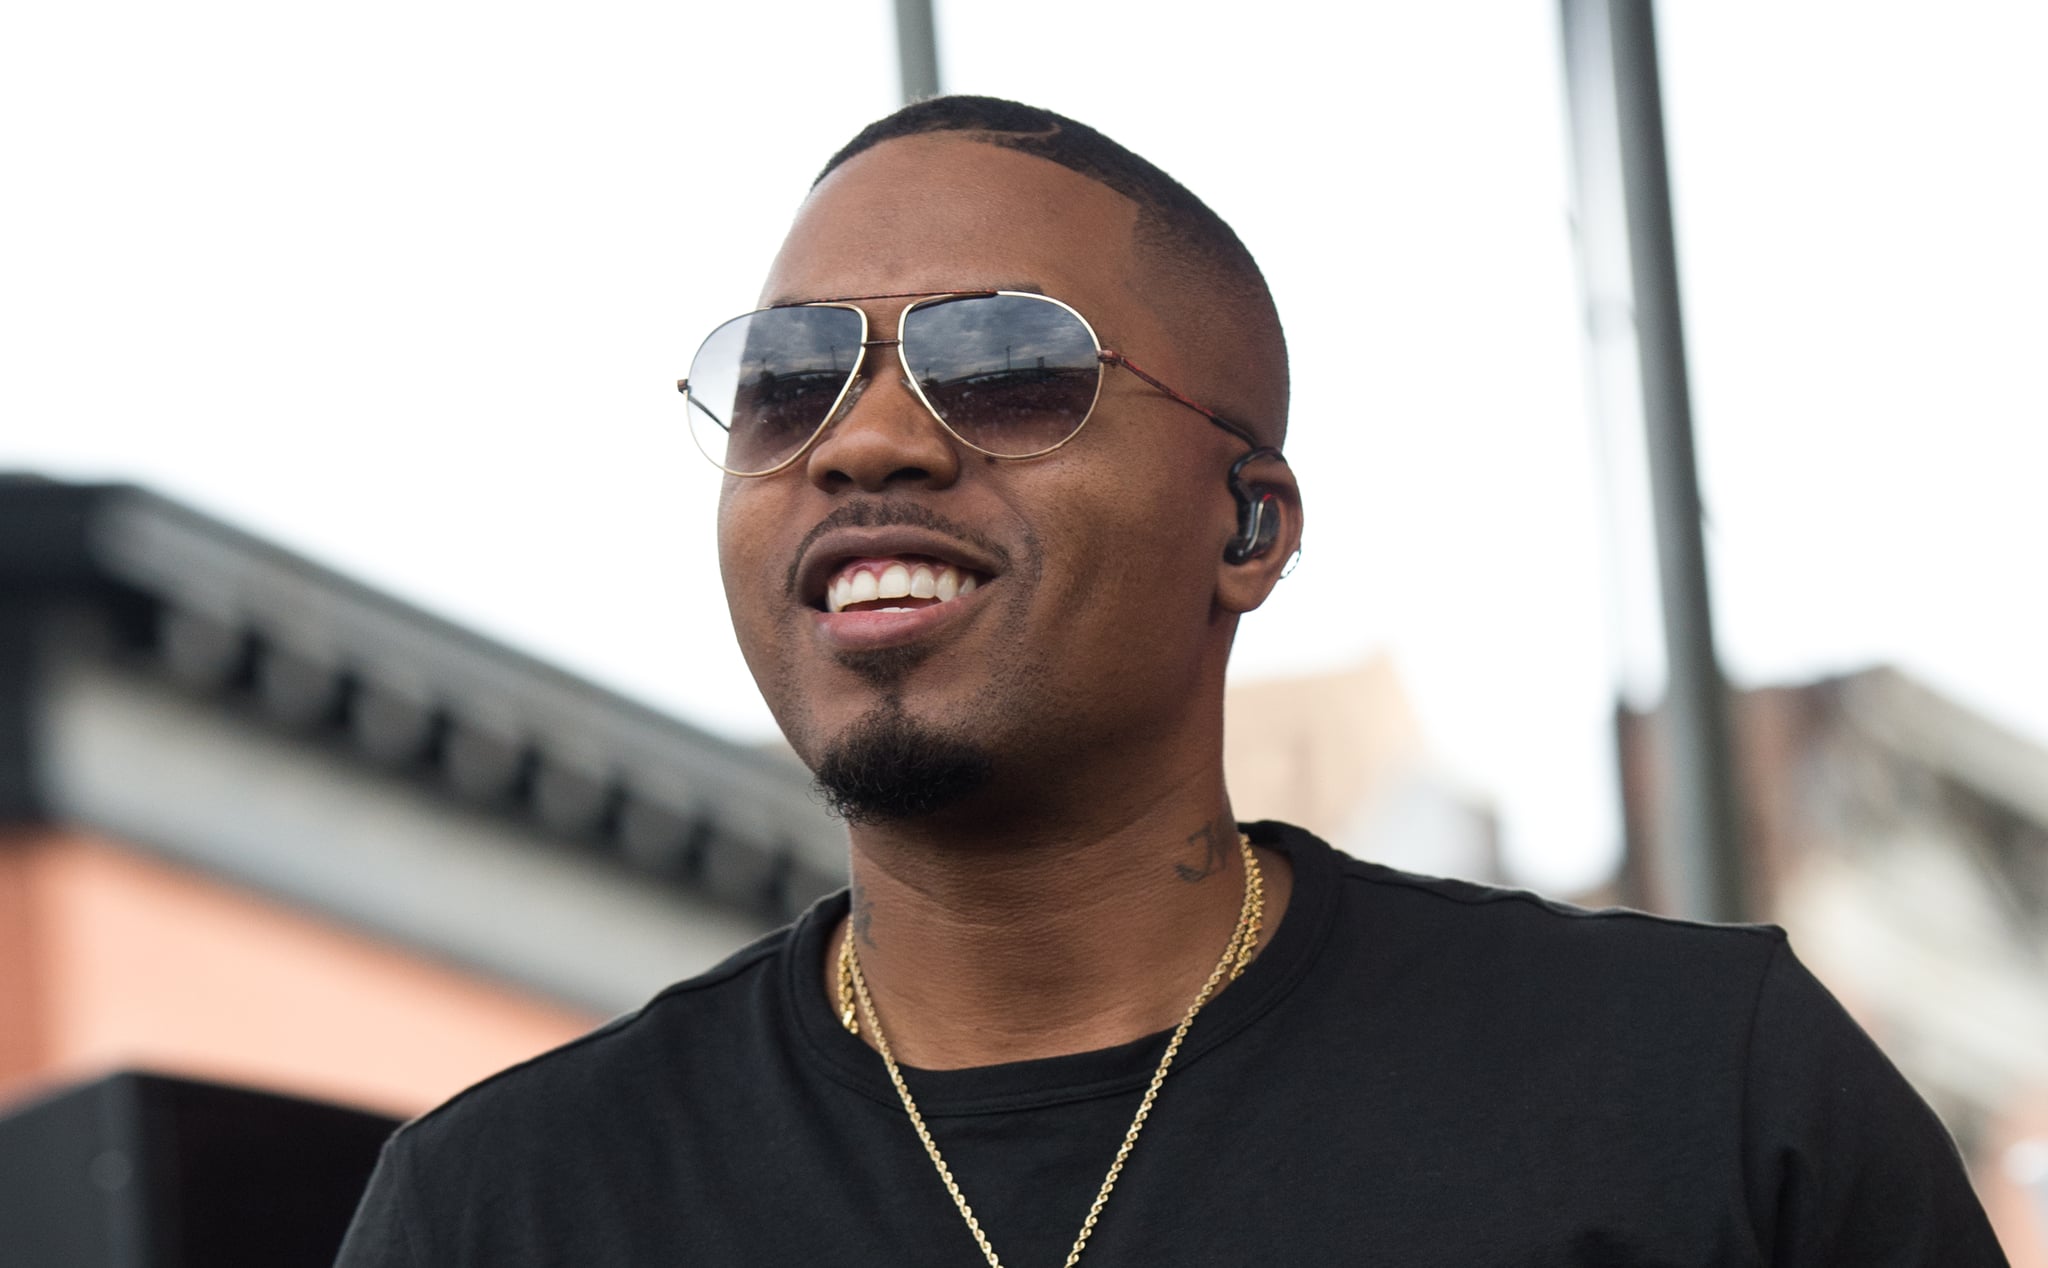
{"type": "Point", "coordinates": [1237, 953]}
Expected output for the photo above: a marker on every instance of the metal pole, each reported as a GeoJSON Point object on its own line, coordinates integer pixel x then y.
{"type": "Point", "coordinates": [917, 49]}
{"type": "Point", "coordinates": [1611, 69]}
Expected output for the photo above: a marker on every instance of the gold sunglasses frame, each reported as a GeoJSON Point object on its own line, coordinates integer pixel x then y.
{"type": "Point", "coordinates": [1103, 356]}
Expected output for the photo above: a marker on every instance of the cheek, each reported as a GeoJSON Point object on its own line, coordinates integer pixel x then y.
{"type": "Point", "coordinates": [744, 564]}
{"type": "Point", "coordinates": [1128, 626]}
{"type": "Point", "coordinates": [732, 566]}
{"type": "Point", "coordinates": [1141, 556]}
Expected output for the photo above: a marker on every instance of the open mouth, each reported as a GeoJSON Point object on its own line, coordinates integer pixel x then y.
{"type": "Point", "coordinates": [900, 583]}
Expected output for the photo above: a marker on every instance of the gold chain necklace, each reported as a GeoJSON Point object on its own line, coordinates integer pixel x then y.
{"type": "Point", "coordinates": [1236, 955]}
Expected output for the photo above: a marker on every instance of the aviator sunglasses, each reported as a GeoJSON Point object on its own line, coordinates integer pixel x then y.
{"type": "Point", "coordinates": [1011, 374]}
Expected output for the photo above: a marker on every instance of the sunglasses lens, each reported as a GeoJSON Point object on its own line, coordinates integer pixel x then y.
{"type": "Point", "coordinates": [764, 383]}
{"type": "Point", "coordinates": [1012, 374]}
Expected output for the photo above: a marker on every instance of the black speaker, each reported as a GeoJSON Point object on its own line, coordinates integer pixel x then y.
{"type": "Point", "coordinates": [142, 1171]}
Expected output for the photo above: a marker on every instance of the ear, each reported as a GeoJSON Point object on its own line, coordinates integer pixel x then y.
{"type": "Point", "coordinates": [1241, 587]}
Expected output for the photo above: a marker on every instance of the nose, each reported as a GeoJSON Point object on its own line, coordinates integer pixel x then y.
{"type": "Point", "coordinates": [883, 436]}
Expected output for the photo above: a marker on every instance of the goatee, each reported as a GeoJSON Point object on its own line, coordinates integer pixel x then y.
{"type": "Point", "coordinates": [888, 766]}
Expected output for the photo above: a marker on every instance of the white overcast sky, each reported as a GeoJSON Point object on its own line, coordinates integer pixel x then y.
{"type": "Point", "coordinates": [406, 286]}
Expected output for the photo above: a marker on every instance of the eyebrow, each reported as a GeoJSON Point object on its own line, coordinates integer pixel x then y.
{"type": "Point", "coordinates": [786, 301]}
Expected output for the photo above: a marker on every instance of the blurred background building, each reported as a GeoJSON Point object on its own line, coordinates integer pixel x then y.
{"type": "Point", "coordinates": [262, 824]}
{"type": "Point", "coordinates": [1345, 752]}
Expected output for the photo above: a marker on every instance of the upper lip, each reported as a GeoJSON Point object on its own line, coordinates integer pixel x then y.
{"type": "Point", "coordinates": [824, 555]}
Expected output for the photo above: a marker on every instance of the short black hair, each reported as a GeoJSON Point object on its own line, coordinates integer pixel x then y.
{"type": "Point", "coordinates": [1181, 237]}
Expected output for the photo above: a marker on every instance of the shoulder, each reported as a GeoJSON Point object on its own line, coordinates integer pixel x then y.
{"type": "Point", "coordinates": [1727, 1072]}
{"type": "Point", "coordinates": [1518, 956]}
{"type": "Point", "coordinates": [1474, 916]}
{"type": "Point", "coordinates": [1523, 918]}
{"type": "Point", "coordinates": [1665, 991]}
{"type": "Point", "coordinates": [690, 1022]}
{"type": "Point", "coordinates": [527, 1166]}
{"type": "Point", "coordinates": [567, 1139]}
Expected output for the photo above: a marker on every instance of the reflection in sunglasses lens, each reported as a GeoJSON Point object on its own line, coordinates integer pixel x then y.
{"type": "Point", "coordinates": [1013, 374]}
{"type": "Point", "coordinates": [763, 383]}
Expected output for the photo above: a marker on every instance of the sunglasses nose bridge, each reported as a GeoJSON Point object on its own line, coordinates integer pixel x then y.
{"type": "Point", "coordinates": [868, 371]}
{"type": "Point", "coordinates": [875, 437]}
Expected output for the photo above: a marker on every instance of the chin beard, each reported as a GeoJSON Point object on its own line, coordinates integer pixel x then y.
{"type": "Point", "coordinates": [887, 766]}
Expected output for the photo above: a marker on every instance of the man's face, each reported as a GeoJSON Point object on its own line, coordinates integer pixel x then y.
{"type": "Point", "coordinates": [1093, 569]}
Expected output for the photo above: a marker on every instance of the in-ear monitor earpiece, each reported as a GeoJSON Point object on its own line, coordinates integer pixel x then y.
{"type": "Point", "coordinates": [1258, 513]}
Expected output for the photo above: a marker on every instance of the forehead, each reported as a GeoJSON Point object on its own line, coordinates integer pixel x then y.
{"type": "Point", "coordinates": [948, 213]}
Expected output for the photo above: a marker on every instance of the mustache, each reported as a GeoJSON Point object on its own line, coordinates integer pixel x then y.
{"type": "Point", "coordinates": [889, 513]}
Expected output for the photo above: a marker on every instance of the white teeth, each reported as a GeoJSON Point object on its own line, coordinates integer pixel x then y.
{"type": "Point", "coordinates": [942, 582]}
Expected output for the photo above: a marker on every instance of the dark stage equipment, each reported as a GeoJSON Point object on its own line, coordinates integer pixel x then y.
{"type": "Point", "coordinates": [143, 1171]}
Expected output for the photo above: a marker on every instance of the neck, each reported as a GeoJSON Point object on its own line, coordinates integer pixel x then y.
{"type": "Point", "coordinates": [1036, 940]}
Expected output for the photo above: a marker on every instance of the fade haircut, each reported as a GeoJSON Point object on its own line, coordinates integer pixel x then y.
{"type": "Point", "coordinates": [1194, 273]}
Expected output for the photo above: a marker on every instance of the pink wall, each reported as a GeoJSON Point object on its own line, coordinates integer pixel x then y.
{"type": "Point", "coordinates": [110, 958]}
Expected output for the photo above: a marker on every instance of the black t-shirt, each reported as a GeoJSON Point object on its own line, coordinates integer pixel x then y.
{"type": "Point", "coordinates": [1415, 1072]}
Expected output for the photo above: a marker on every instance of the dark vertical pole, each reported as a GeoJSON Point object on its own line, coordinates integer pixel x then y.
{"type": "Point", "coordinates": [917, 49]}
{"type": "Point", "coordinates": [1699, 863]}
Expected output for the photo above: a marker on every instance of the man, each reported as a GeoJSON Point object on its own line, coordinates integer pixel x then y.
{"type": "Point", "coordinates": [1003, 475]}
